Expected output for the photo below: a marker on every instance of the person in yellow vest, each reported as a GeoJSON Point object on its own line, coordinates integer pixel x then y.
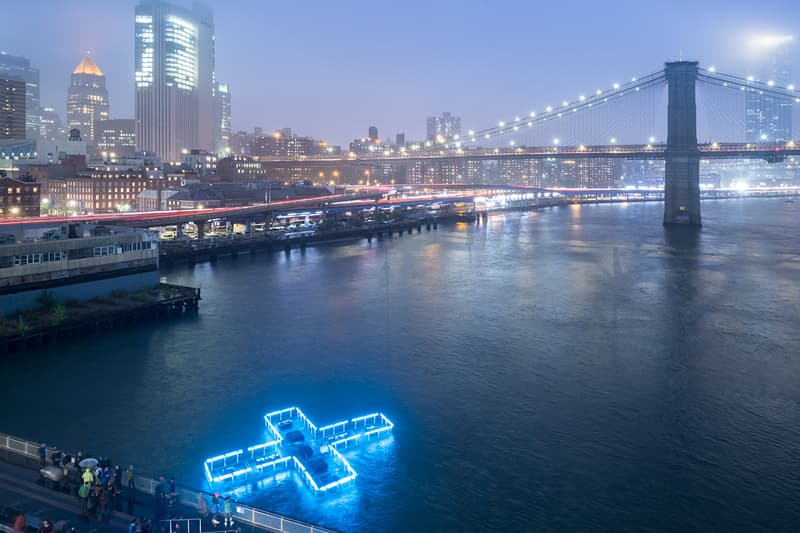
{"type": "Point", "coordinates": [87, 476]}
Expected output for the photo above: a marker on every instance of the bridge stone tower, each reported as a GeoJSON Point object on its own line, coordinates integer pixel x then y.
{"type": "Point", "coordinates": [682, 180]}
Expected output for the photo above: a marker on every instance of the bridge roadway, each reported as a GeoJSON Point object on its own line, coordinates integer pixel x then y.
{"type": "Point", "coordinates": [767, 151]}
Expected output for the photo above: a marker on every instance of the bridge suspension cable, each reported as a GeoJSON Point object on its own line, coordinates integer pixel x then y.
{"type": "Point", "coordinates": [553, 113]}
{"type": "Point", "coordinates": [738, 83]}
{"type": "Point", "coordinates": [726, 98]}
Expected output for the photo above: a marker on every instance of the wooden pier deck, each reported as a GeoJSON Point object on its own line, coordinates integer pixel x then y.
{"type": "Point", "coordinates": [40, 327]}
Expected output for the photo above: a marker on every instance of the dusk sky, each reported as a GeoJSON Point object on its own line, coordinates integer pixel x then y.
{"type": "Point", "coordinates": [331, 69]}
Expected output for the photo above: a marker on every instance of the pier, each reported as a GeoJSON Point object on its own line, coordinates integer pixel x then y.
{"type": "Point", "coordinates": [175, 253]}
{"type": "Point", "coordinates": [35, 328]}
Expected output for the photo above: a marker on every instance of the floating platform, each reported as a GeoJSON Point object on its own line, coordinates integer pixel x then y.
{"type": "Point", "coordinates": [295, 443]}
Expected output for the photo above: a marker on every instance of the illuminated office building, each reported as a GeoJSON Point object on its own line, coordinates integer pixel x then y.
{"type": "Point", "coordinates": [50, 126]}
{"type": "Point", "coordinates": [87, 100]}
{"type": "Point", "coordinates": [116, 136]}
{"type": "Point", "coordinates": [175, 81]}
{"type": "Point", "coordinates": [12, 109]}
{"type": "Point", "coordinates": [19, 68]}
{"type": "Point", "coordinates": [442, 127]}
{"type": "Point", "coordinates": [223, 119]}
{"type": "Point", "coordinates": [768, 117]}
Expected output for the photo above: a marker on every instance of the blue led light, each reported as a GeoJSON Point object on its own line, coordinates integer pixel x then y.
{"type": "Point", "coordinates": [302, 436]}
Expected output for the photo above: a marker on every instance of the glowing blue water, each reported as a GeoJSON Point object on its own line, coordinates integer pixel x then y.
{"type": "Point", "coordinates": [572, 369]}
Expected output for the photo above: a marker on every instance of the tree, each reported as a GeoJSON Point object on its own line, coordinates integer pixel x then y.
{"type": "Point", "coordinates": [46, 301]}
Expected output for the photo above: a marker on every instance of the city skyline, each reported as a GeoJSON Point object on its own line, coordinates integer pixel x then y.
{"type": "Point", "coordinates": [332, 96]}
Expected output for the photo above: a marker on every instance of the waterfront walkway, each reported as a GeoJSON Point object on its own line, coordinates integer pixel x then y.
{"type": "Point", "coordinates": [23, 490]}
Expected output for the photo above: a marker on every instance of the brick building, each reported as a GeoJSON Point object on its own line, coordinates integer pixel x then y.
{"type": "Point", "coordinates": [19, 197]}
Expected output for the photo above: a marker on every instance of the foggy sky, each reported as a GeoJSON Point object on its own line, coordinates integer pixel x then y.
{"type": "Point", "coordinates": [331, 69]}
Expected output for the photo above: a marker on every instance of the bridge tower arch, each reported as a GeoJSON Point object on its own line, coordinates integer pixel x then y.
{"type": "Point", "coordinates": [682, 172]}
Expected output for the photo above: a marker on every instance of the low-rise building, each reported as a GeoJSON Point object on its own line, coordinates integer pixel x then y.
{"type": "Point", "coordinates": [19, 197]}
{"type": "Point", "coordinates": [207, 195]}
{"type": "Point", "coordinates": [200, 162]}
{"type": "Point", "coordinates": [155, 200]}
{"type": "Point", "coordinates": [75, 262]}
{"type": "Point", "coordinates": [97, 190]}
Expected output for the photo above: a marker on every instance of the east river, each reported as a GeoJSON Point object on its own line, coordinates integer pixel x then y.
{"type": "Point", "coordinates": [576, 368]}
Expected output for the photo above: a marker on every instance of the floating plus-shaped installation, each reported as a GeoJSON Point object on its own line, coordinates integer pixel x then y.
{"type": "Point", "coordinates": [294, 442]}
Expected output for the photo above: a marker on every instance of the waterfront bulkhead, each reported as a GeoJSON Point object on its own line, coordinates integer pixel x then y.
{"type": "Point", "coordinates": [76, 262]}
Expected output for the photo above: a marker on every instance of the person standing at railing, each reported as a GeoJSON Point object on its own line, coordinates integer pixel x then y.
{"type": "Point", "coordinates": [117, 484]}
{"type": "Point", "coordinates": [88, 477]}
{"type": "Point", "coordinates": [158, 495]}
{"type": "Point", "coordinates": [102, 500]}
{"type": "Point", "coordinates": [215, 509]}
{"type": "Point", "coordinates": [228, 512]}
{"type": "Point", "coordinates": [20, 523]}
{"type": "Point", "coordinates": [173, 492]}
{"type": "Point", "coordinates": [111, 501]}
{"type": "Point", "coordinates": [83, 494]}
{"type": "Point", "coordinates": [103, 475]}
{"type": "Point", "coordinates": [93, 497]}
{"type": "Point", "coordinates": [43, 455]}
{"type": "Point", "coordinates": [129, 477]}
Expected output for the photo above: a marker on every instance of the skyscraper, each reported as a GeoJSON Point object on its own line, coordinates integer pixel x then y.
{"type": "Point", "coordinates": [175, 80]}
{"type": "Point", "coordinates": [87, 100]}
{"type": "Point", "coordinates": [224, 119]}
{"type": "Point", "coordinates": [12, 108]}
{"type": "Point", "coordinates": [117, 136]}
{"type": "Point", "coordinates": [769, 118]}
{"type": "Point", "coordinates": [445, 126]}
{"type": "Point", "coordinates": [50, 126]}
{"type": "Point", "coordinates": [15, 67]}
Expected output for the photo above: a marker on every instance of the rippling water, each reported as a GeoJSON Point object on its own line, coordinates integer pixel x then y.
{"type": "Point", "coordinates": [577, 368]}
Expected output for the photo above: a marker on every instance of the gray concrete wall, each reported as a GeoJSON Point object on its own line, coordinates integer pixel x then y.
{"type": "Point", "coordinates": [82, 292]}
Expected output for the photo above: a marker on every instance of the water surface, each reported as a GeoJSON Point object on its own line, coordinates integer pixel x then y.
{"type": "Point", "coordinates": [576, 368]}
